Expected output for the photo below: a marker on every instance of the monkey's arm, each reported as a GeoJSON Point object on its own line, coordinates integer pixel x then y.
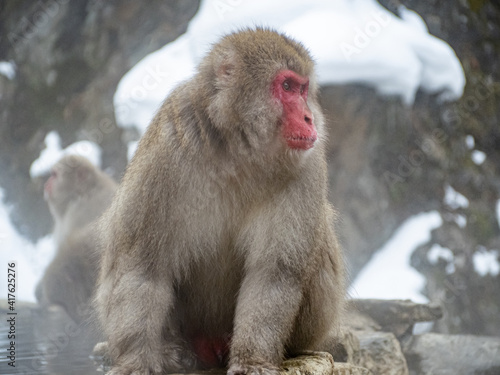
{"type": "Point", "coordinates": [138, 316]}
{"type": "Point", "coordinates": [70, 277]}
{"type": "Point", "coordinates": [272, 289]}
{"type": "Point", "coordinates": [266, 310]}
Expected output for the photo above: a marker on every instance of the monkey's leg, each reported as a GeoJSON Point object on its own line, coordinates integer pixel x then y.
{"type": "Point", "coordinates": [266, 309]}
{"type": "Point", "coordinates": [318, 322]}
{"type": "Point", "coordinates": [140, 325]}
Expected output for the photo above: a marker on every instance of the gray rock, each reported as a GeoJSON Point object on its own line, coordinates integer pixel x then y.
{"type": "Point", "coordinates": [347, 349]}
{"type": "Point", "coordinates": [381, 353]}
{"type": "Point", "coordinates": [437, 354]}
{"type": "Point", "coordinates": [312, 363]}
{"type": "Point", "coordinates": [342, 368]}
{"type": "Point", "coordinates": [359, 321]}
{"type": "Point", "coordinates": [396, 316]}
{"type": "Point", "coordinates": [371, 331]}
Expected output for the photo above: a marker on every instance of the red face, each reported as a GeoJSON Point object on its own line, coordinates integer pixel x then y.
{"type": "Point", "coordinates": [299, 130]}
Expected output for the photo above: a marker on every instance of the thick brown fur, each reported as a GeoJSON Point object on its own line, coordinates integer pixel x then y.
{"type": "Point", "coordinates": [77, 193]}
{"type": "Point", "coordinates": [218, 228]}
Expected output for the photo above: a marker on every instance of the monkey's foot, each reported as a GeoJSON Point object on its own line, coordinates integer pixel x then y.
{"type": "Point", "coordinates": [178, 358]}
{"type": "Point", "coordinates": [138, 365]}
{"type": "Point", "coordinates": [174, 358]}
{"type": "Point", "coordinates": [101, 357]}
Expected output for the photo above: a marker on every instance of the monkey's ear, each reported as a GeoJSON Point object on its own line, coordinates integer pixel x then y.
{"type": "Point", "coordinates": [226, 68]}
{"type": "Point", "coordinates": [83, 174]}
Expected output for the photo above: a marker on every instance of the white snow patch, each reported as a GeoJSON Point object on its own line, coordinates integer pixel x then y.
{"type": "Point", "coordinates": [454, 199]}
{"type": "Point", "coordinates": [437, 252]}
{"type": "Point", "coordinates": [352, 41]}
{"type": "Point", "coordinates": [478, 157]}
{"type": "Point", "coordinates": [53, 153]}
{"type": "Point", "coordinates": [470, 142]}
{"type": "Point", "coordinates": [30, 259]}
{"type": "Point", "coordinates": [461, 220]}
{"type": "Point", "coordinates": [486, 261]}
{"type": "Point", "coordinates": [389, 275]}
{"type": "Point", "coordinates": [8, 69]}
{"type": "Point", "coordinates": [132, 147]}
{"type": "Point", "coordinates": [422, 327]}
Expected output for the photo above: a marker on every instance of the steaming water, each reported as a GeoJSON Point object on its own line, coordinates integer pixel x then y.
{"type": "Point", "coordinates": [46, 343]}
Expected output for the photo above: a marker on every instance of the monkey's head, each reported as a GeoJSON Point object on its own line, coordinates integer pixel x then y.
{"type": "Point", "coordinates": [70, 178]}
{"type": "Point", "coordinates": [263, 84]}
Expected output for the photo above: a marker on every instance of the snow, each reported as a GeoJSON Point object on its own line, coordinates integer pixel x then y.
{"type": "Point", "coordinates": [461, 220]}
{"type": "Point", "coordinates": [352, 41]}
{"type": "Point", "coordinates": [486, 262]}
{"type": "Point", "coordinates": [389, 275]}
{"type": "Point", "coordinates": [454, 199]}
{"type": "Point", "coordinates": [437, 252]}
{"type": "Point", "coordinates": [8, 69]}
{"type": "Point", "coordinates": [30, 259]}
{"type": "Point", "coordinates": [478, 157]}
{"type": "Point", "coordinates": [470, 142]}
{"type": "Point", "coordinates": [53, 152]}
{"type": "Point", "coordinates": [132, 146]}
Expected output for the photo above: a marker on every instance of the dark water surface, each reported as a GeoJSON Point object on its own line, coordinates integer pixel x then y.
{"type": "Point", "coordinates": [46, 342]}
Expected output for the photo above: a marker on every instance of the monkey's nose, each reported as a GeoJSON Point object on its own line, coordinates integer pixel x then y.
{"type": "Point", "coordinates": [308, 120]}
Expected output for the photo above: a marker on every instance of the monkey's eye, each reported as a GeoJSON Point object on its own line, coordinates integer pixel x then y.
{"type": "Point", "coordinates": [286, 86]}
{"type": "Point", "coordinates": [302, 88]}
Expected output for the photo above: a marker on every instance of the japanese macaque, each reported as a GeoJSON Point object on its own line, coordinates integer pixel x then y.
{"type": "Point", "coordinates": [77, 193]}
{"type": "Point", "coordinates": [219, 247]}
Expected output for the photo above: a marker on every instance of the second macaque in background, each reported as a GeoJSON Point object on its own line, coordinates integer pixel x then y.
{"type": "Point", "coordinates": [77, 194]}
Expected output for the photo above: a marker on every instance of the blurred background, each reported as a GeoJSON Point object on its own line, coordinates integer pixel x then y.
{"type": "Point", "coordinates": [411, 90]}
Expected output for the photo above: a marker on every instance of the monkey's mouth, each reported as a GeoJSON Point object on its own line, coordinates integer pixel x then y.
{"type": "Point", "coordinates": [300, 143]}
